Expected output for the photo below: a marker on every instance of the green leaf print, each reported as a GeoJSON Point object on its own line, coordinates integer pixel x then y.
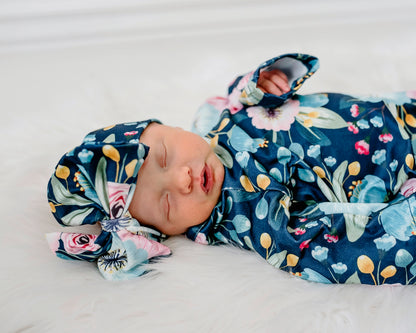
{"type": "Point", "coordinates": [337, 181]}
{"type": "Point", "coordinates": [326, 190]}
{"type": "Point", "coordinates": [262, 209]}
{"type": "Point", "coordinates": [401, 178]}
{"type": "Point", "coordinates": [76, 217]}
{"type": "Point", "coordinates": [325, 118]}
{"type": "Point", "coordinates": [63, 195]}
{"type": "Point", "coordinates": [312, 135]}
{"type": "Point", "coordinates": [353, 279]}
{"type": "Point", "coordinates": [355, 225]}
{"type": "Point", "coordinates": [277, 259]}
{"type": "Point", "coordinates": [224, 156]}
{"type": "Point", "coordinates": [101, 184]}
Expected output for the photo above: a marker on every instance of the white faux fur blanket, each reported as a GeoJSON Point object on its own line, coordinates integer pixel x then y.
{"type": "Point", "coordinates": [51, 97]}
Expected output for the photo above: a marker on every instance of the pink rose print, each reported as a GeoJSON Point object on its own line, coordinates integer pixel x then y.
{"type": "Point", "coordinates": [304, 244]}
{"type": "Point", "coordinates": [409, 187]}
{"type": "Point", "coordinates": [331, 238]}
{"type": "Point", "coordinates": [279, 119]}
{"type": "Point", "coordinates": [117, 195]}
{"type": "Point", "coordinates": [152, 247]}
{"type": "Point", "coordinates": [130, 134]}
{"type": "Point", "coordinates": [352, 127]}
{"type": "Point", "coordinates": [362, 147]}
{"type": "Point", "coordinates": [79, 243]}
{"type": "Point", "coordinates": [299, 231]}
{"type": "Point", "coordinates": [201, 239]}
{"type": "Point", "coordinates": [355, 110]}
{"type": "Point", "coordinates": [387, 137]}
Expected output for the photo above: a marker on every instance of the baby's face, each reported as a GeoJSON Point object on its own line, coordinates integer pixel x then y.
{"type": "Point", "coordinates": [180, 181]}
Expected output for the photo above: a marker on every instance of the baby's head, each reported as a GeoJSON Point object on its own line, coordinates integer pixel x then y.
{"type": "Point", "coordinates": [163, 176]}
{"type": "Point", "coordinates": [180, 181]}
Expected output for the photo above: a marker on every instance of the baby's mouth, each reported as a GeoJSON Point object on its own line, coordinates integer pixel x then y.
{"type": "Point", "coordinates": [206, 179]}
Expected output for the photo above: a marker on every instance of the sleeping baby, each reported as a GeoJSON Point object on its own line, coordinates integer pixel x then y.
{"type": "Point", "coordinates": [321, 185]}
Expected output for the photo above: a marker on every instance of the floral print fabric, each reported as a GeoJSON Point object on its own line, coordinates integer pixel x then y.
{"type": "Point", "coordinates": [93, 183]}
{"type": "Point", "coordinates": [320, 185]}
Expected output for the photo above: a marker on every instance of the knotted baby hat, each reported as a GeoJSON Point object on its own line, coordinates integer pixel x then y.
{"type": "Point", "coordinates": [95, 182]}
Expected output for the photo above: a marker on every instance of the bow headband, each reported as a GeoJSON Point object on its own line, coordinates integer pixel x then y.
{"type": "Point", "coordinates": [95, 182]}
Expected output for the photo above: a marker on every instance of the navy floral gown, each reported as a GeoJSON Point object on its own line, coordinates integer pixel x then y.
{"type": "Point", "coordinates": [320, 185]}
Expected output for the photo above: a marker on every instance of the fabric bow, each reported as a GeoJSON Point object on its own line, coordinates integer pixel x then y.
{"type": "Point", "coordinates": [95, 182]}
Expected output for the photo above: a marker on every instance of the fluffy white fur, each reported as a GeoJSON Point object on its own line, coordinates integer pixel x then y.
{"type": "Point", "coordinates": [51, 97]}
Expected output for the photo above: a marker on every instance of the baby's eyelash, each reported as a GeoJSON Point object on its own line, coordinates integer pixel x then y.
{"type": "Point", "coordinates": [165, 155]}
{"type": "Point", "coordinates": [167, 207]}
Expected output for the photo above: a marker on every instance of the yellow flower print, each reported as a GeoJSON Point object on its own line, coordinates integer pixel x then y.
{"type": "Point", "coordinates": [366, 266]}
{"type": "Point", "coordinates": [263, 181]}
{"type": "Point", "coordinates": [63, 172]}
{"type": "Point", "coordinates": [266, 242]}
{"type": "Point", "coordinates": [129, 168]}
{"type": "Point", "coordinates": [410, 161]}
{"type": "Point", "coordinates": [245, 182]}
{"type": "Point", "coordinates": [112, 153]}
{"type": "Point", "coordinates": [387, 272]}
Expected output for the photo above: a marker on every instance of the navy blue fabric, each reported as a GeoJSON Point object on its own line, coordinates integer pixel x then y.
{"type": "Point", "coordinates": [320, 185]}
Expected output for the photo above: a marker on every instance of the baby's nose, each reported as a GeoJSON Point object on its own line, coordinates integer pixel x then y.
{"type": "Point", "coordinates": [183, 180]}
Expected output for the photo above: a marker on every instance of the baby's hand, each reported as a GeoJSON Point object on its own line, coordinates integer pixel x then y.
{"type": "Point", "coordinates": [273, 82]}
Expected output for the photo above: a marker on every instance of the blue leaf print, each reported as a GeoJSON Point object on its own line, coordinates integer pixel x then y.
{"type": "Point", "coordinates": [234, 237]}
{"type": "Point", "coordinates": [283, 155]}
{"type": "Point", "coordinates": [403, 258]}
{"type": "Point", "coordinates": [241, 223]}
{"type": "Point", "coordinates": [241, 141]}
{"type": "Point", "coordinates": [242, 158]}
{"type": "Point", "coordinates": [311, 275]}
{"type": "Point", "coordinates": [241, 196]}
{"type": "Point", "coordinates": [262, 209]}
{"type": "Point", "coordinates": [259, 167]}
{"type": "Point", "coordinates": [276, 174]}
{"type": "Point", "coordinates": [306, 175]}
{"type": "Point", "coordinates": [276, 214]}
{"type": "Point", "coordinates": [228, 204]}
{"type": "Point", "coordinates": [313, 101]}
{"type": "Point", "coordinates": [297, 149]}
{"type": "Point", "coordinates": [412, 269]}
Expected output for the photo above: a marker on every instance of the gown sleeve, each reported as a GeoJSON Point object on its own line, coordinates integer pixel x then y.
{"type": "Point", "coordinates": [243, 91]}
{"type": "Point", "coordinates": [297, 67]}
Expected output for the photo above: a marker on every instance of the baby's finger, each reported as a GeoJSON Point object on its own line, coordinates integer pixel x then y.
{"type": "Point", "coordinates": [278, 78]}
{"type": "Point", "coordinates": [268, 86]}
